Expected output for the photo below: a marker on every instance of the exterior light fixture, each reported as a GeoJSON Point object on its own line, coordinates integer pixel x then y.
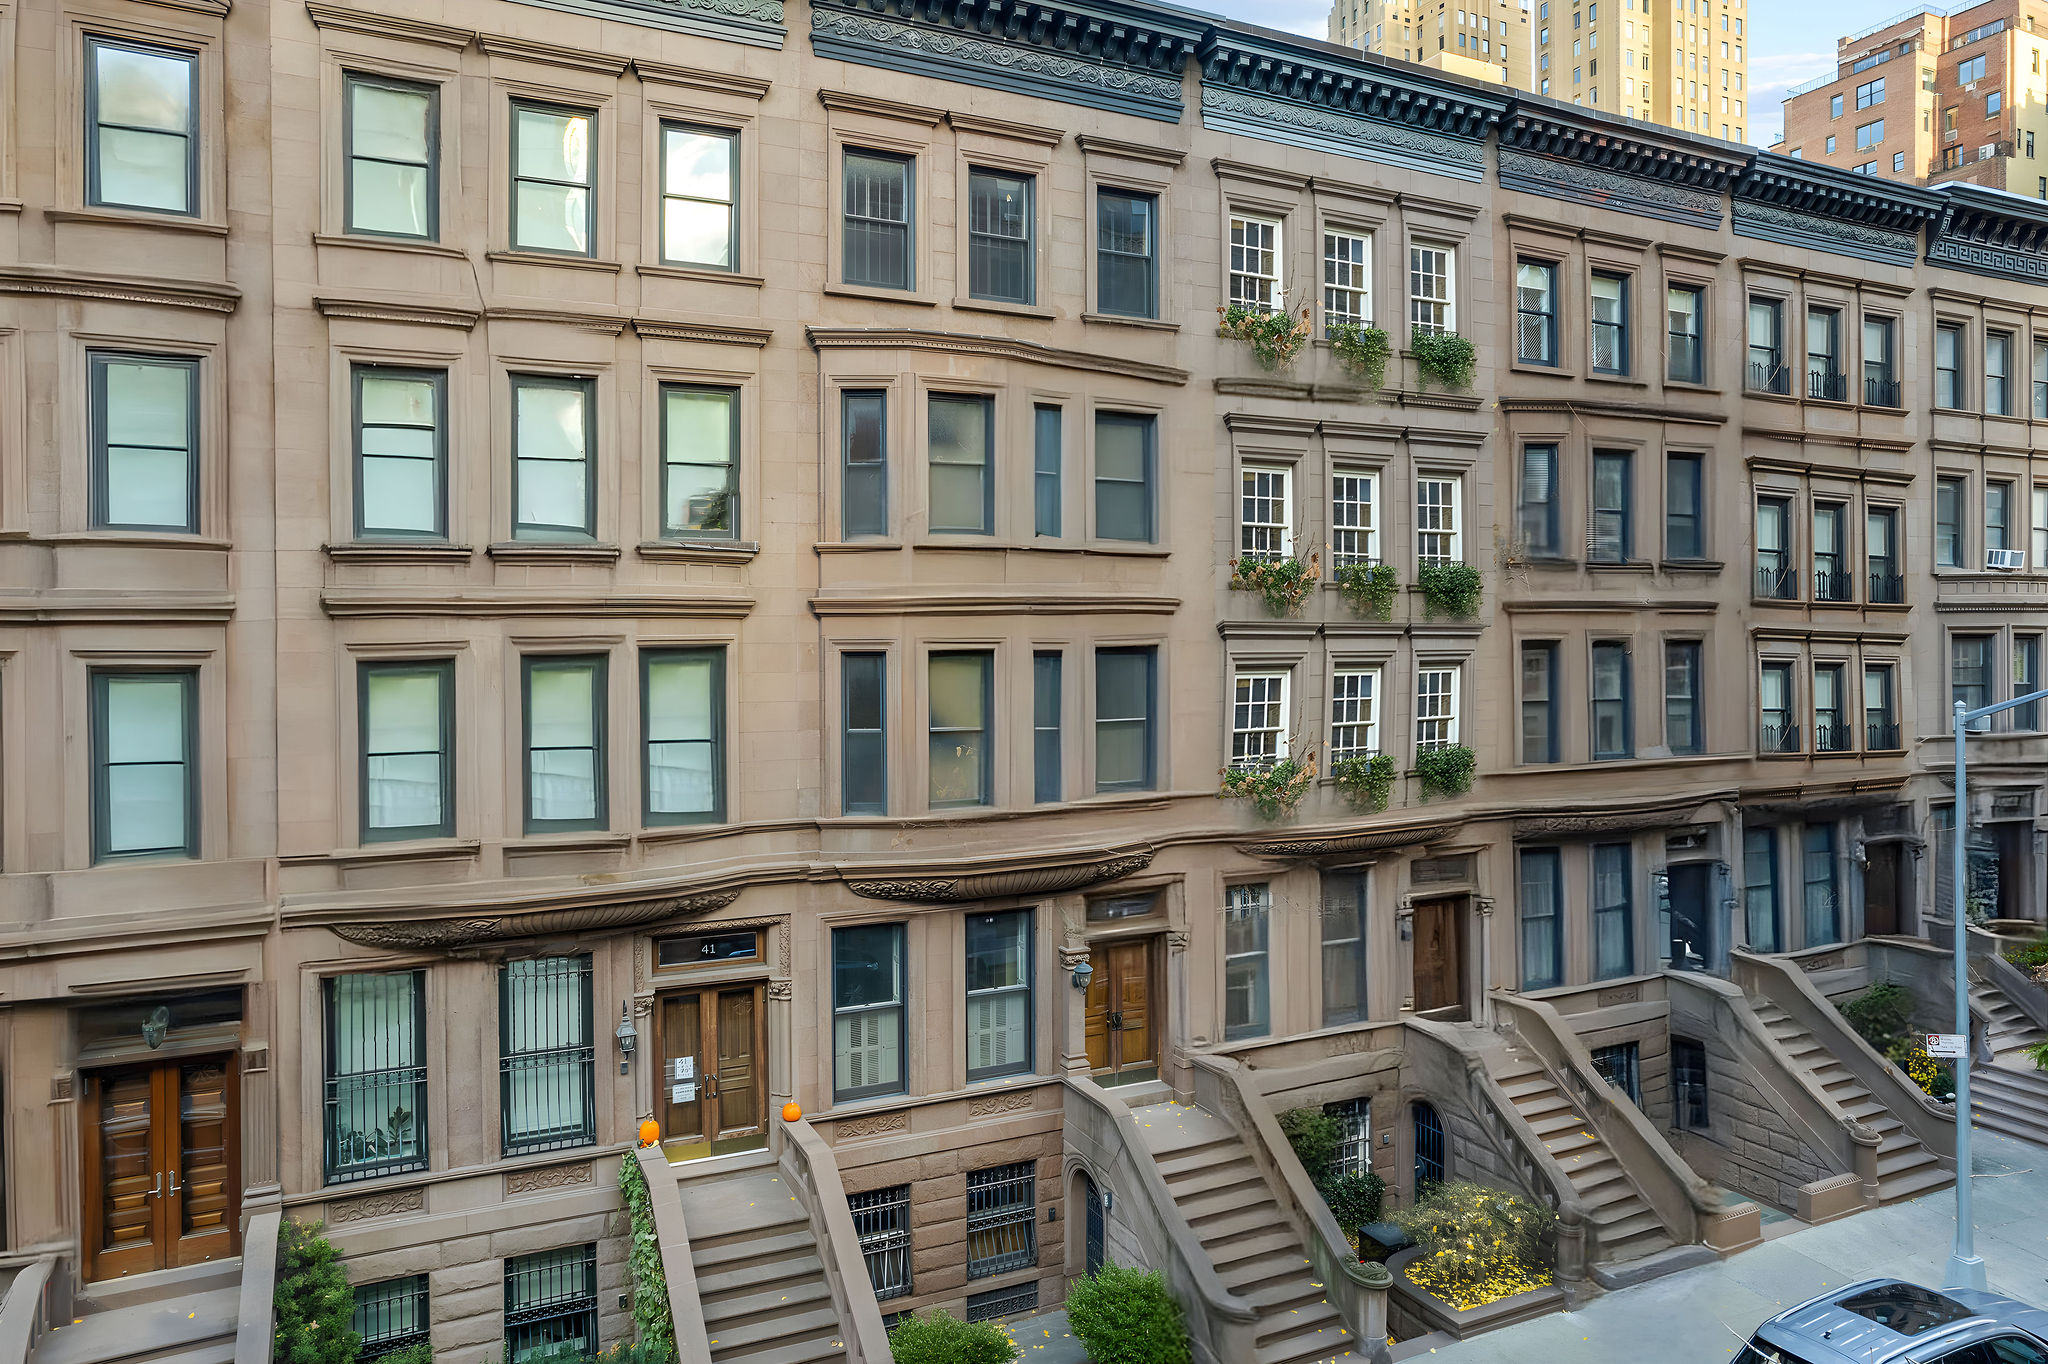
{"type": "Point", "coordinates": [628, 1035]}
{"type": "Point", "coordinates": [1083, 973]}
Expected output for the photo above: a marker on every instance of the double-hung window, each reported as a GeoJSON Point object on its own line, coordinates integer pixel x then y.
{"type": "Point", "coordinates": [1880, 362]}
{"type": "Point", "coordinates": [1611, 537]}
{"type": "Point", "coordinates": [2039, 563]}
{"type": "Point", "coordinates": [863, 735]}
{"type": "Point", "coordinates": [879, 196]}
{"type": "Point", "coordinates": [1255, 262]}
{"type": "Point", "coordinates": [547, 1065]}
{"type": "Point", "coordinates": [1436, 707]}
{"type": "Point", "coordinates": [1610, 324]}
{"type": "Point", "coordinates": [682, 728]}
{"type": "Point", "coordinates": [1776, 578]}
{"type": "Point", "coordinates": [1432, 292]}
{"type": "Point", "coordinates": [1684, 507]}
{"type": "Point", "coordinates": [408, 750]}
{"type": "Point", "coordinates": [1126, 731]}
{"type": "Point", "coordinates": [1125, 462]}
{"type": "Point", "coordinates": [1880, 708]}
{"type": "Point", "coordinates": [142, 121]}
{"type": "Point", "coordinates": [1536, 312]}
{"type": "Point", "coordinates": [1831, 733]}
{"type": "Point", "coordinates": [565, 744]}
{"type": "Point", "coordinates": [962, 440]}
{"type": "Point", "coordinates": [1048, 701]}
{"type": "Point", "coordinates": [554, 176]}
{"type": "Point", "coordinates": [1265, 521]}
{"type": "Point", "coordinates": [1685, 311]}
{"type": "Point", "coordinates": [144, 769]}
{"type": "Point", "coordinates": [1998, 373]}
{"type": "Point", "coordinates": [1247, 1004]}
{"type": "Point", "coordinates": [1970, 670]}
{"type": "Point", "coordinates": [1354, 526]}
{"type": "Point", "coordinates": [1047, 464]}
{"type": "Point", "coordinates": [2026, 678]}
{"type": "Point", "coordinates": [1997, 516]}
{"type": "Point", "coordinates": [868, 996]}
{"type": "Point", "coordinates": [401, 424]}
{"type": "Point", "coordinates": [1258, 720]}
{"type": "Point", "coordinates": [1347, 279]}
{"type": "Point", "coordinates": [1344, 955]}
{"type": "Point", "coordinates": [1541, 910]}
{"type": "Point", "coordinates": [1612, 696]}
{"type": "Point", "coordinates": [145, 442]}
{"type": "Point", "coordinates": [1760, 888]}
{"type": "Point", "coordinates": [1537, 516]}
{"type": "Point", "coordinates": [864, 477]}
{"type": "Point", "coordinates": [1777, 728]}
{"type": "Point", "coordinates": [1684, 719]}
{"type": "Point", "coordinates": [960, 699]}
{"type": "Point", "coordinates": [392, 135]}
{"type": "Point", "coordinates": [999, 236]}
{"type": "Point", "coordinates": [550, 1303]}
{"type": "Point", "coordinates": [998, 994]}
{"type": "Point", "coordinates": [1439, 537]}
{"type": "Point", "coordinates": [1948, 365]}
{"type": "Point", "coordinates": [374, 1087]}
{"type": "Point", "coordinates": [554, 435]}
{"type": "Point", "coordinates": [2041, 380]}
{"type": "Point", "coordinates": [1539, 702]}
{"type": "Point", "coordinates": [1613, 911]}
{"type": "Point", "coordinates": [1824, 355]}
{"type": "Point", "coordinates": [699, 197]}
{"type": "Point", "coordinates": [1819, 896]}
{"type": "Point", "coordinates": [1831, 580]}
{"type": "Point", "coordinates": [700, 452]}
{"type": "Point", "coordinates": [1126, 253]}
{"type": "Point", "coordinates": [1767, 372]}
{"type": "Point", "coordinates": [1948, 523]}
{"type": "Point", "coordinates": [1354, 714]}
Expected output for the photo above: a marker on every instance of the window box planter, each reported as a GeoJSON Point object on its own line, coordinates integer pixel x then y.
{"type": "Point", "coordinates": [1274, 790]}
{"type": "Point", "coordinates": [1275, 335]}
{"type": "Point", "coordinates": [1363, 351]}
{"type": "Point", "coordinates": [1450, 589]}
{"type": "Point", "coordinates": [1445, 770]}
{"type": "Point", "coordinates": [1284, 583]}
{"type": "Point", "coordinates": [1369, 588]}
{"type": "Point", "coordinates": [1446, 357]}
{"type": "Point", "coordinates": [1367, 781]}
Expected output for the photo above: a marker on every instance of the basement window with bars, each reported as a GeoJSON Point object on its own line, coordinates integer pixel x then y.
{"type": "Point", "coordinates": [881, 1222]}
{"type": "Point", "coordinates": [547, 1063]}
{"type": "Point", "coordinates": [1621, 1066]}
{"type": "Point", "coordinates": [1002, 1219]}
{"type": "Point", "coordinates": [1354, 1152]}
{"type": "Point", "coordinates": [1002, 1302]}
{"type": "Point", "coordinates": [551, 1300]}
{"type": "Point", "coordinates": [390, 1316]}
{"type": "Point", "coordinates": [1689, 1083]}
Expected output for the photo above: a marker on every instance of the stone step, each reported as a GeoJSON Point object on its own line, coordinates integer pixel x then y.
{"type": "Point", "coordinates": [1186, 1160]}
{"type": "Point", "coordinates": [1283, 1293]}
{"type": "Point", "coordinates": [776, 1300]}
{"type": "Point", "coordinates": [1250, 1247]}
{"type": "Point", "coordinates": [1925, 1180]}
{"type": "Point", "coordinates": [1551, 1124]}
{"type": "Point", "coordinates": [164, 1329]}
{"type": "Point", "coordinates": [1608, 1193]}
{"type": "Point", "coordinates": [827, 1347]}
{"type": "Point", "coordinates": [1247, 1219]}
{"type": "Point", "coordinates": [1903, 1162]}
{"type": "Point", "coordinates": [1316, 1315]}
{"type": "Point", "coordinates": [736, 1341]}
{"type": "Point", "coordinates": [1577, 1139]}
{"type": "Point", "coordinates": [163, 1285]}
{"type": "Point", "coordinates": [1311, 1344]}
{"type": "Point", "coordinates": [746, 1249]}
{"type": "Point", "coordinates": [1638, 1246]}
{"type": "Point", "coordinates": [1197, 1182]}
{"type": "Point", "coordinates": [1285, 1268]}
{"type": "Point", "coordinates": [1229, 1198]}
{"type": "Point", "coordinates": [1535, 1084]}
{"type": "Point", "coordinates": [2013, 1124]}
{"type": "Point", "coordinates": [757, 1276]}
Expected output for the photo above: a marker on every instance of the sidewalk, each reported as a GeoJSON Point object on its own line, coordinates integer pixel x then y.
{"type": "Point", "coordinates": [1045, 1339]}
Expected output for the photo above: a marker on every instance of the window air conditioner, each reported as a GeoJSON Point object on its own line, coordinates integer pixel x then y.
{"type": "Point", "coordinates": [2006, 560]}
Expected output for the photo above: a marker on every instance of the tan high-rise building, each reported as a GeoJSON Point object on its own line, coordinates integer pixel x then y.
{"type": "Point", "coordinates": [1683, 65]}
{"type": "Point", "coordinates": [1934, 97]}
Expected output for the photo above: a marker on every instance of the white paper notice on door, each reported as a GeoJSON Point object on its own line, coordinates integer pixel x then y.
{"type": "Point", "coordinates": [684, 1067]}
{"type": "Point", "coordinates": [683, 1094]}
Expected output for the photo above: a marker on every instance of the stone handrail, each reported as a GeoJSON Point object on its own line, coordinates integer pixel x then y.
{"type": "Point", "coordinates": [1220, 1088]}
{"type": "Point", "coordinates": [808, 1161]}
{"type": "Point", "coordinates": [1517, 1143]}
{"type": "Point", "coordinates": [1785, 985]}
{"type": "Point", "coordinates": [256, 1308]}
{"type": "Point", "coordinates": [27, 1312]}
{"type": "Point", "coordinates": [672, 1239]}
{"type": "Point", "coordinates": [1678, 1196]}
{"type": "Point", "coordinates": [1224, 1326]}
{"type": "Point", "coordinates": [1991, 967]}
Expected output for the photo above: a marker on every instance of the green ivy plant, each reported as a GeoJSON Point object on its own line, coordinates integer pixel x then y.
{"type": "Point", "coordinates": [1275, 789]}
{"type": "Point", "coordinates": [1369, 588]}
{"type": "Point", "coordinates": [1451, 589]}
{"type": "Point", "coordinates": [651, 1321]}
{"type": "Point", "coordinates": [1284, 583]}
{"type": "Point", "coordinates": [1275, 335]}
{"type": "Point", "coordinates": [1445, 357]}
{"type": "Point", "coordinates": [1446, 769]}
{"type": "Point", "coordinates": [1367, 781]}
{"type": "Point", "coordinates": [1364, 351]}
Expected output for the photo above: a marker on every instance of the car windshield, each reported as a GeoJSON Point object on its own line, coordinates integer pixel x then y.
{"type": "Point", "coordinates": [1905, 1308]}
{"type": "Point", "coordinates": [1763, 1352]}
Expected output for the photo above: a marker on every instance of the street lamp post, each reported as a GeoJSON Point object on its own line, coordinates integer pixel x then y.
{"type": "Point", "coordinates": [1965, 1265]}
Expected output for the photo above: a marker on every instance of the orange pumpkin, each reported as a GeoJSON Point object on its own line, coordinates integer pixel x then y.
{"type": "Point", "coordinates": [790, 1112]}
{"type": "Point", "coordinates": [650, 1132]}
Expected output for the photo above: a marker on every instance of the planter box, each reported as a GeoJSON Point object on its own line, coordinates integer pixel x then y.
{"type": "Point", "coordinates": [1415, 1311]}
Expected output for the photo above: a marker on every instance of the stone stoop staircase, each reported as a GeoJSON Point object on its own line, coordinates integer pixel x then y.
{"type": "Point", "coordinates": [2011, 1094]}
{"type": "Point", "coordinates": [759, 1278]}
{"type": "Point", "coordinates": [1218, 1189]}
{"type": "Point", "coordinates": [1624, 1226]}
{"type": "Point", "coordinates": [174, 1316]}
{"type": "Point", "coordinates": [1905, 1168]}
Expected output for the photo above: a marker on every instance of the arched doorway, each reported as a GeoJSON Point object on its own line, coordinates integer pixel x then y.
{"type": "Point", "coordinates": [1429, 1147]}
{"type": "Point", "coordinates": [1092, 1255]}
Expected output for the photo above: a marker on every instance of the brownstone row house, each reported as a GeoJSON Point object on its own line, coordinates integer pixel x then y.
{"type": "Point", "coordinates": [578, 563]}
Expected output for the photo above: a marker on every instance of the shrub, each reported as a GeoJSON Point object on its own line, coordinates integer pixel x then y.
{"type": "Point", "coordinates": [1369, 588]}
{"type": "Point", "coordinates": [1449, 589]}
{"type": "Point", "coordinates": [1315, 1137]}
{"type": "Point", "coordinates": [652, 1325]}
{"type": "Point", "coordinates": [1367, 781]}
{"type": "Point", "coordinates": [1478, 1244]}
{"type": "Point", "coordinates": [1126, 1316]}
{"type": "Point", "coordinates": [1445, 357]}
{"type": "Point", "coordinates": [569, 1352]}
{"type": "Point", "coordinates": [1355, 1200]}
{"type": "Point", "coordinates": [1880, 1014]}
{"type": "Point", "coordinates": [1937, 1079]}
{"type": "Point", "coordinates": [1364, 351]}
{"type": "Point", "coordinates": [2030, 957]}
{"type": "Point", "coordinates": [1275, 335]}
{"type": "Point", "coordinates": [942, 1339]}
{"type": "Point", "coordinates": [1284, 583]}
{"type": "Point", "coordinates": [419, 1352]}
{"type": "Point", "coordinates": [315, 1308]}
{"type": "Point", "coordinates": [1446, 769]}
{"type": "Point", "coordinates": [1273, 790]}
{"type": "Point", "coordinates": [2037, 1052]}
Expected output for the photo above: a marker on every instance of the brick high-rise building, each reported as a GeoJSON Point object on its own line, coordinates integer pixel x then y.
{"type": "Point", "coordinates": [1934, 97]}
{"type": "Point", "coordinates": [1684, 65]}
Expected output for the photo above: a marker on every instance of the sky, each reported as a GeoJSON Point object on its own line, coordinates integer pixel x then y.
{"type": "Point", "coordinates": [1791, 42]}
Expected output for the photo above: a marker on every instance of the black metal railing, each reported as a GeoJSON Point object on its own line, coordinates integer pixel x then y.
{"type": "Point", "coordinates": [1777, 738]}
{"type": "Point", "coordinates": [1887, 589]}
{"type": "Point", "coordinates": [1881, 392]}
{"type": "Point", "coordinates": [390, 1316]}
{"type": "Point", "coordinates": [1002, 1302]}
{"type": "Point", "coordinates": [1833, 738]}
{"type": "Point", "coordinates": [1833, 584]}
{"type": "Point", "coordinates": [551, 1300]}
{"type": "Point", "coordinates": [1778, 584]}
{"type": "Point", "coordinates": [375, 1090]}
{"type": "Point", "coordinates": [1882, 736]}
{"type": "Point", "coordinates": [547, 1064]}
{"type": "Point", "coordinates": [1769, 377]}
{"type": "Point", "coordinates": [1002, 1218]}
{"type": "Point", "coordinates": [1829, 385]}
{"type": "Point", "coordinates": [881, 1221]}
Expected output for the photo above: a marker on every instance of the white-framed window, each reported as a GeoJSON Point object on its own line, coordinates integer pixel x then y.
{"type": "Point", "coordinates": [1355, 714]}
{"type": "Point", "coordinates": [1439, 525]}
{"type": "Point", "coordinates": [1432, 302]}
{"type": "Point", "coordinates": [1258, 720]}
{"type": "Point", "coordinates": [1436, 706]}
{"type": "Point", "coordinates": [1255, 261]}
{"type": "Point", "coordinates": [1266, 519]}
{"type": "Point", "coordinates": [1354, 518]}
{"type": "Point", "coordinates": [1347, 279]}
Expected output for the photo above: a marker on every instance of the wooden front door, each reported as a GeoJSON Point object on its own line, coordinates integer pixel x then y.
{"type": "Point", "coordinates": [1881, 889]}
{"type": "Point", "coordinates": [1440, 957]}
{"type": "Point", "coordinates": [713, 1083]}
{"type": "Point", "coordinates": [1121, 1036]}
{"type": "Point", "coordinates": [163, 1177]}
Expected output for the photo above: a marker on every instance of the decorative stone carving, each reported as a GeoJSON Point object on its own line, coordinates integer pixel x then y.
{"type": "Point", "coordinates": [1365, 841]}
{"type": "Point", "coordinates": [1176, 940]}
{"type": "Point", "coordinates": [782, 989]}
{"type": "Point", "coordinates": [880, 1125]}
{"type": "Point", "coordinates": [63, 1087]}
{"type": "Point", "coordinates": [547, 1177]}
{"type": "Point", "coordinates": [377, 1205]}
{"type": "Point", "coordinates": [1368, 139]}
{"type": "Point", "coordinates": [1812, 232]}
{"type": "Point", "coordinates": [1621, 994]}
{"type": "Point", "coordinates": [1348, 1044]}
{"type": "Point", "coordinates": [1617, 822]}
{"type": "Point", "coordinates": [1827, 961]}
{"type": "Point", "coordinates": [468, 929]}
{"type": "Point", "coordinates": [1021, 881]}
{"type": "Point", "coordinates": [1070, 957]}
{"type": "Point", "coordinates": [1559, 179]}
{"type": "Point", "coordinates": [990, 1106]}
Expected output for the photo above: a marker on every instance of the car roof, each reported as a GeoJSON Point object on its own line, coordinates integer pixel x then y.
{"type": "Point", "coordinates": [1823, 1331]}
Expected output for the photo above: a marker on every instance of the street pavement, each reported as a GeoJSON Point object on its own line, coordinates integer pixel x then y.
{"type": "Point", "coordinates": [1703, 1316]}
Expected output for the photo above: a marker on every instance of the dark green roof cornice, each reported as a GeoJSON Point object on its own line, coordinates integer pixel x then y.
{"type": "Point", "coordinates": [1562, 152]}
{"type": "Point", "coordinates": [1991, 232]}
{"type": "Point", "coordinates": [1805, 187]}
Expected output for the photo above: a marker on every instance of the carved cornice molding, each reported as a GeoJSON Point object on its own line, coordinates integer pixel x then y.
{"type": "Point", "coordinates": [96, 608]}
{"type": "Point", "coordinates": [1981, 239]}
{"type": "Point", "coordinates": [1381, 93]}
{"type": "Point", "coordinates": [1674, 200]}
{"type": "Point", "coordinates": [373, 604]}
{"type": "Point", "coordinates": [975, 603]}
{"type": "Point", "coordinates": [167, 293]}
{"type": "Point", "coordinates": [996, 347]}
{"type": "Point", "coordinates": [727, 334]}
{"type": "Point", "coordinates": [1366, 840]}
{"type": "Point", "coordinates": [377, 310]}
{"type": "Point", "coordinates": [605, 324]}
{"type": "Point", "coordinates": [757, 23]}
{"type": "Point", "coordinates": [1809, 231]}
{"type": "Point", "coordinates": [1050, 876]}
{"type": "Point", "coordinates": [1591, 407]}
{"type": "Point", "coordinates": [484, 926]}
{"type": "Point", "coordinates": [377, 25]}
{"type": "Point", "coordinates": [1805, 188]}
{"type": "Point", "coordinates": [1562, 825]}
{"type": "Point", "coordinates": [1633, 150]}
{"type": "Point", "coordinates": [716, 82]}
{"type": "Point", "coordinates": [1331, 126]}
{"type": "Point", "coordinates": [552, 54]}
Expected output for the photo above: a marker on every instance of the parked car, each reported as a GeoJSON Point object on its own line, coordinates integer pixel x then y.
{"type": "Point", "coordinates": [1888, 1321]}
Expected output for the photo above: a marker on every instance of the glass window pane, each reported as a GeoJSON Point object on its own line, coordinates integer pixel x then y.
{"type": "Point", "coordinates": [553, 146]}
{"type": "Point", "coordinates": [564, 784]}
{"type": "Point", "coordinates": [697, 164]}
{"type": "Point", "coordinates": [399, 495]}
{"type": "Point", "coordinates": [148, 404]}
{"type": "Point", "coordinates": [389, 198]}
{"type": "Point", "coordinates": [551, 493]}
{"type": "Point", "coordinates": [867, 966]}
{"type": "Point", "coordinates": [553, 217]}
{"type": "Point", "coordinates": [148, 487]}
{"type": "Point", "coordinates": [145, 807]}
{"type": "Point", "coordinates": [143, 169]}
{"type": "Point", "coordinates": [395, 401]}
{"type": "Point", "coordinates": [957, 690]}
{"type": "Point", "coordinates": [551, 422]}
{"type": "Point", "coordinates": [145, 719]}
{"type": "Point", "coordinates": [561, 698]}
{"type": "Point", "coordinates": [390, 124]}
{"type": "Point", "coordinates": [404, 713]}
{"type": "Point", "coordinates": [143, 90]}
{"type": "Point", "coordinates": [699, 426]}
{"type": "Point", "coordinates": [696, 232]}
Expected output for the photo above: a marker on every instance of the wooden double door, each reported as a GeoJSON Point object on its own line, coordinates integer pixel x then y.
{"type": "Point", "coordinates": [1123, 1039]}
{"type": "Point", "coordinates": [714, 1073]}
{"type": "Point", "coordinates": [162, 1158]}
